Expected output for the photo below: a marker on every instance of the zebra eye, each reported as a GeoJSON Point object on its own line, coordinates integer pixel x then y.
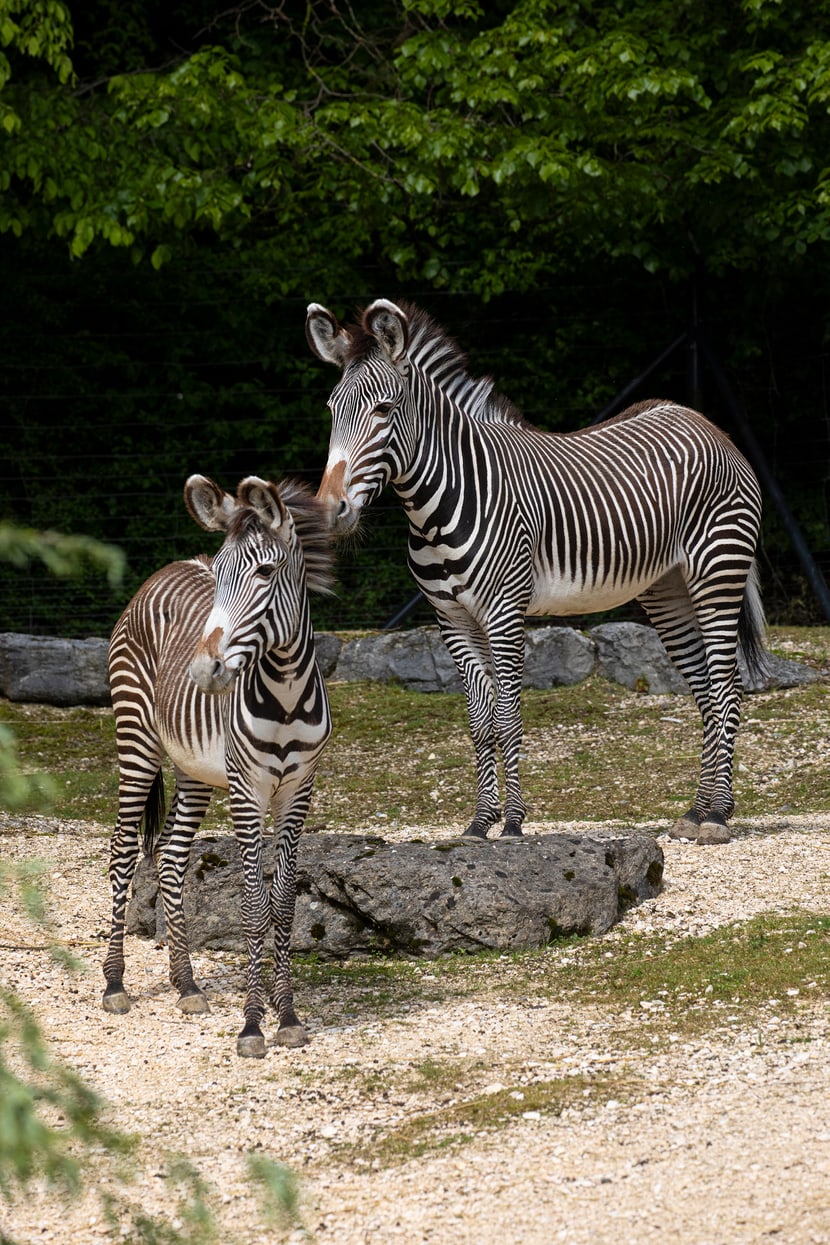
{"type": "Point", "coordinates": [383, 408]}
{"type": "Point", "coordinates": [266, 570]}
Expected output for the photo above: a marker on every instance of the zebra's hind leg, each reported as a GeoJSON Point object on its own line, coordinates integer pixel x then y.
{"type": "Point", "coordinates": [702, 645]}
{"type": "Point", "coordinates": [670, 610]}
{"type": "Point", "coordinates": [172, 856]}
{"type": "Point", "coordinates": [141, 793]}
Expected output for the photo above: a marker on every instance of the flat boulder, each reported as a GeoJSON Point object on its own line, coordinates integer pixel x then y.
{"type": "Point", "coordinates": [359, 894]}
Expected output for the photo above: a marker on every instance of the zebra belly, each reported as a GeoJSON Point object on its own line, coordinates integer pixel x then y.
{"type": "Point", "coordinates": [554, 595]}
{"type": "Point", "coordinates": [205, 763]}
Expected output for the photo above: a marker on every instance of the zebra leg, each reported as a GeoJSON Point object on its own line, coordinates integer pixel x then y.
{"type": "Point", "coordinates": [172, 856]}
{"type": "Point", "coordinates": [507, 653]}
{"type": "Point", "coordinates": [288, 827]}
{"type": "Point", "coordinates": [671, 610]}
{"type": "Point", "coordinates": [469, 650]}
{"type": "Point", "coordinates": [719, 628]}
{"type": "Point", "coordinates": [248, 825]}
{"type": "Point", "coordinates": [123, 859]}
{"type": "Point", "coordinates": [137, 787]}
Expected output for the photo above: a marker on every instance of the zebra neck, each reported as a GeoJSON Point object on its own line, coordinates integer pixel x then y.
{"type": "Point", "coordinates": [284, 664]}
{"type": "Point", "coordinates": [435, 485]}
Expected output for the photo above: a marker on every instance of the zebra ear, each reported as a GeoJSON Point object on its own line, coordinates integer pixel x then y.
{"type": "Point", "coordinates": [264, 498]}
{"type": "Point", "coordinates": [208, 504]}
{"type": "Point", "coordinates": [389, 326]}
{"type": "Point", "coordinates": [324, 335]}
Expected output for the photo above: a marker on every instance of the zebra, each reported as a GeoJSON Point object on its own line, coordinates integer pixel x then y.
{"type": "Point", "coordinates": [213, 663]}
{"type": "Point", "coordinates": [505, 520]}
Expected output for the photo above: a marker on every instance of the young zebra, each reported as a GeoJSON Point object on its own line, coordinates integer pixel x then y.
{"type": "Point", "coordinates": [213, 663]}
{"type": "Point", "coordinates": [506, 520]}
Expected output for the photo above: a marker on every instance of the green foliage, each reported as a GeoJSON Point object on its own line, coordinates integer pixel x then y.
{"type": "Point", "coordinates": [18, 789]}
{"type": "Point", "coordinates": [53, 1127]}
{"type": "Point", "coordinates": [569, 127]}
{"type": "Point", "coordinates": [176, 184]}
{"type": "Point", "coordinates": [194, 1223]}
{"type": "Point", "coordinates": [29, 1146]}
{"type": "Point", "coordinates": [62, 555]}
{"type": "Point", "coordinates": [281, 1191]}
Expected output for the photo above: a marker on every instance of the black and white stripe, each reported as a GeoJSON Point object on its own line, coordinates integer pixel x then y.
{"type": "Point", "coordinates": [213, 664]}
{"type": "Point", "coordinates": [506, 520]}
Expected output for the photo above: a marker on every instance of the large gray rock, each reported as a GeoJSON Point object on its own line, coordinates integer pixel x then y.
{"type": "Point", "coordinates": [74, 672]}
{"type": "Point", "coordinates": [557, 656]}
{"type": "Point", "coordinates": [420, 661]}
{"type": "Point", "coordinates": [358, 894]}
{"type": "Point", "coordinates": [633, 654]}
{"type": "Point", "coordinates": [417, 659]}
{"type": "Point", "coordinates": [54, 671]}
{"type": "Point", "coordinates": [776, 672]}
{"type": "Point", "coordinates": [327, 648]}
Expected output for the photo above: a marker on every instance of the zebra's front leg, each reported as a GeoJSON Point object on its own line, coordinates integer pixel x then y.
{"type": "Point", "coordinates": [255, 919]}
{"type": "Point", "coordinates": [482, 732]}
{"type": "Point", "coordinates": [172, 856]}
{"type": "Point", "coordinates": [283, 897]}
{"type": "Point", "coordinates": [507, 650]}
{"type": "Point", "coordinates": [467, 645]}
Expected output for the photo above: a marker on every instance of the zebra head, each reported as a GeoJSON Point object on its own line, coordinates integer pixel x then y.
{"type": "Point", "coordinates": [363, 450]}
{"type": "Point", "coordinates": [259, 577]}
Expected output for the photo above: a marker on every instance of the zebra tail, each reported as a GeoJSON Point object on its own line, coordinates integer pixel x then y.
{"type": "Point", "coordinates": [154, 813]}
{"type": "Point", "coordinates": [752, 626]}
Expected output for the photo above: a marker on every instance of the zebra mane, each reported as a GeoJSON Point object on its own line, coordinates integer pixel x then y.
{"type": "Point", "coordinates": [310, 524]}
{"type": "Point", "coordinates": [439, 357]}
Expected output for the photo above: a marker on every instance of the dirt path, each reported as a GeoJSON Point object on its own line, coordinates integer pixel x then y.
{"type": "Point", "coordinates": [717, 1140]}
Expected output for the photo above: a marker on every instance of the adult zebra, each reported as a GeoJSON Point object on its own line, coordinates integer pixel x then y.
{"type": "Point", "coordinates": [505, 521]}
{"type": "Point", "coordinates": [213, 662]}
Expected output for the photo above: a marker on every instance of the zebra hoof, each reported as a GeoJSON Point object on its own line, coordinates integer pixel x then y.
{"type": "Point", "coordinates": [712, 832]}
{"type": "Point", "coordinates": [512, 830]}
{"type": "Point", "coordinates": [116, 1001]}
{"type": "Point", "coordinates": [291, 1035]}
{"type": "Point", "coordinates": [474, 831]}
{"type": "Point", "coordinates": [193, 1003]}
{"type": "Point", "coordinates": [686, 827]}
{"type": "Point", "coordinates": [250, 1045]}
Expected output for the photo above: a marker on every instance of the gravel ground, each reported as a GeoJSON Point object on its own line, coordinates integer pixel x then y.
{"type": "Point", "coordinates": [718, 1140]}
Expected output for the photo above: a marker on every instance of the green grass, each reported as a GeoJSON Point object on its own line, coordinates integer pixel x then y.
{"type": "Point", "coordinates": [686, 983]}
{"type": "Point", "coordinates": [595, 751]}
{"type": "Point", "coordinates": [451, 1126]}
{"type": "Point", "coordinates": [770, 959]}
{"type": "Point", "coordinates": [768, 974]}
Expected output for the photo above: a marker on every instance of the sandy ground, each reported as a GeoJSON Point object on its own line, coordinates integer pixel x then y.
{"type": "Point", "coordinates": [719, 1140]}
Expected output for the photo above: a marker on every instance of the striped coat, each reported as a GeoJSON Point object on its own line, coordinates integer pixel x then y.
{"type": "Point", "coordinates": [213, 665]}
{"type": "Point", "coordinates": [506, 520]}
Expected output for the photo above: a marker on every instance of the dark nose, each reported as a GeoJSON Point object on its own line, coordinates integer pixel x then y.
{"type": "Point", "coordinates": [342, 509]}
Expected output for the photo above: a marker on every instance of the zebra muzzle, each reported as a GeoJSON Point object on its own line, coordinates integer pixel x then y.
{"type": "Point", "coordinates": [211, 674]}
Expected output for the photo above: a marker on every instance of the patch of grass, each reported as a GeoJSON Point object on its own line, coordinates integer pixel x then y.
{"type": "Point", "coordinates": [683, 985]}
{"type": "Point", "coordinates": [594, 751]}
{"type": "Point", "coordinates": [360, 990]}
{"type": "Point", "coordinates": [779, 959]}
{"type": "Point", "coordinates": [810, 645]}
{"type": "Point", "coordinates": [76, 747]}
{"type": "Point", "coordinates": [459, 1122]}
